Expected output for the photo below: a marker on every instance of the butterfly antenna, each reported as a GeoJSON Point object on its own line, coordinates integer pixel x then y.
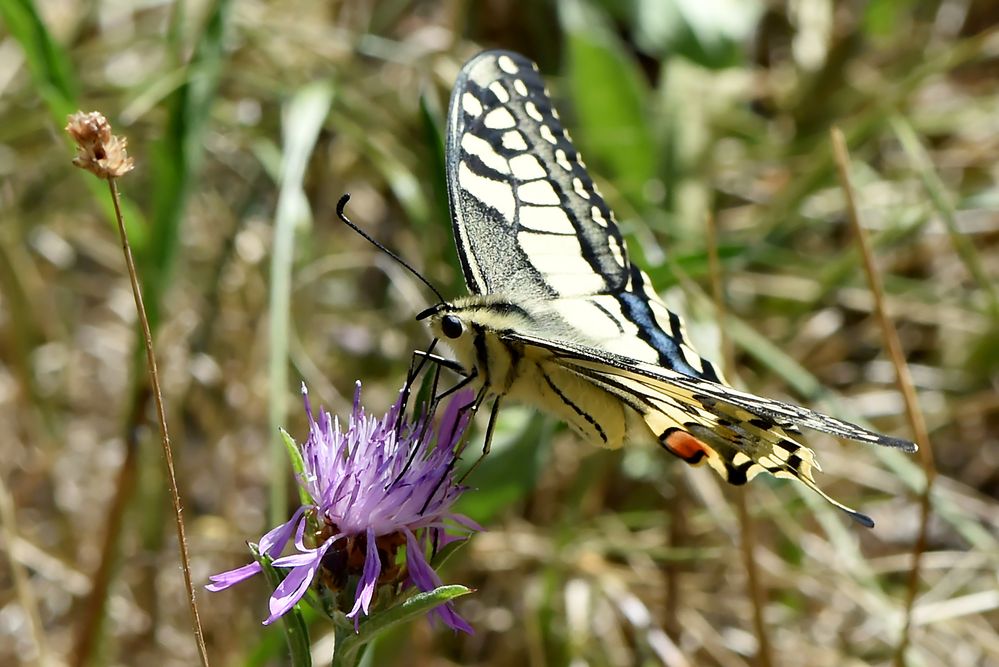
{"type": "Point", "coordinates": [340, 205]}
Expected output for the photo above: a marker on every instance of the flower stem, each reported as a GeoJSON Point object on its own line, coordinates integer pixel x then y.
{"type": "Point", "coordinates": [345, 654]}
{"type": "Point", "coordinates": [906, 386]}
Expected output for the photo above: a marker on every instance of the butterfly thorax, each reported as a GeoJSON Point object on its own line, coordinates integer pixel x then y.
{"type": "Point", "coordinates": [485, 333]}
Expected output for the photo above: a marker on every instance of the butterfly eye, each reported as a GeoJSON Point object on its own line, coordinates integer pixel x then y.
{"type": "Point", "coordinates": [452, 326]}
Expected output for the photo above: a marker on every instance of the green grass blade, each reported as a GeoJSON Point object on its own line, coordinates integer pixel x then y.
{"type": "Point", "coordinates": [177, 158]}
{"type": "Point", "coordinates": [611, 99]}
{"type": "Point", "coordinates": [54, 77]}
{"type": "Point", "coordinates": [941, 199]}
{"type": "Point", "coordinates": [421, 603]}
{"type": "Point", "coordinates": [303, 119]}
{"type": "Point", "coordinates": [50, 66]}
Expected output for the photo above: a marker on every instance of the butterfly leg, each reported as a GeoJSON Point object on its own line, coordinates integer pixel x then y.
{"type": "Point", "coordinates": [441, 361]}
{"type": "Point", "coordinates": [487, 442]}
{"type": "Point", "coordinates": [419, 360]}
{"type": "Point", "coordinates": [471, 408]}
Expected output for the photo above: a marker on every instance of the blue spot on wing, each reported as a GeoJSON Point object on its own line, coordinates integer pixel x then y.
{"type": "Point", "coordinates": [638, 311]}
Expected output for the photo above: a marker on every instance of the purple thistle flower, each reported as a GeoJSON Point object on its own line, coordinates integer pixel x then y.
{"type": "Point", "coordinates": [377, 486]}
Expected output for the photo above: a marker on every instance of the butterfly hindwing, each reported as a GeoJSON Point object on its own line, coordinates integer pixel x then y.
{"type": "Point", "coordinates": [737, 434]}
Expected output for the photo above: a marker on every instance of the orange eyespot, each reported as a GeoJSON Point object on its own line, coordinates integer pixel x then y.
{"type": "Point", "coordinates": [682, 444]}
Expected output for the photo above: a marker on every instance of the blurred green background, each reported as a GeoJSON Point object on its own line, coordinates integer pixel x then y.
{"type": "Point", "coordinates": [248, 120]}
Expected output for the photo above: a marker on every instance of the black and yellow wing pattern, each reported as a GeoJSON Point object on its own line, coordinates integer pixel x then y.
{"type": "Point", "coordinates": [560, 317]}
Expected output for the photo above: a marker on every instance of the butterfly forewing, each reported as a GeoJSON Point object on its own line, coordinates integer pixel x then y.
{"type": "Point", "coordinates": [561, 318]}
{"type": "Point", "coordinates": [519, 191]}
{"type": "Point", "coordinates": [529, 221]}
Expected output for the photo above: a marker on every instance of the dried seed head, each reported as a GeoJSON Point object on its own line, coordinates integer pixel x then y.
{"type": "Point", "coordinates": [97, 150]}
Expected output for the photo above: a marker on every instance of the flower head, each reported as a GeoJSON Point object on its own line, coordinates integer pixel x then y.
{"type": "Point", "coordinates": [375, 487]}
{"type": "Point", "coordinates": [97, 150]}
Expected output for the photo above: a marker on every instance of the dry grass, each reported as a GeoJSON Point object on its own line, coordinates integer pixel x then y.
{"type": "Point", "coordinates": [583, 562]}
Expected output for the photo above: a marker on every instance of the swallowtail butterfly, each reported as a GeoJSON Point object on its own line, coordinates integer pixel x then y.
{"type": "Point", "coordinates": [559, 318]}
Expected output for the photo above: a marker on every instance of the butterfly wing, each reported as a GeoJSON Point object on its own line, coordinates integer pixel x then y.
{"type": "Point", "coordinates": [527, 219]}
{"type": "Point", "coordinates": [531, 227]}
{"type": "Point", "coordinates": [530, 223]}
{"type": "Point", "coordinates": [738, 434]}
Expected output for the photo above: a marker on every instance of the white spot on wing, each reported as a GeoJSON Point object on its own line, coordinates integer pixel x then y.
{"type": "Point", "coordinates": [597, 216]}
{"type": "Point", "coordinates": [551, 219]}
{"type": "Point", "coordinates": [692, 358]}
{"type": "Point", "coordinates": [514, 141]}
{"type": "Point", "coordinates": [577, 185]}
{"type": "Point", "coordinates": [471, 105]}
{"type": "Point", "coordinates": [520, 87]}
{"type": "Point", "coordinates": [538, 192]}
{"type": "Point", "coordinates": [780, 453]}
{"type": "Point", "coordinates": [533, 112]}
{"type": "Point", "coordinates": [768, 463]}
{"type": "Point", "coordinates": [598, 323]}
{"type": "Point", "coordinates": [500, 119]}
{"type": "Point", "coordinates": [526, 167]}
{"type": "Point", "coordinates": [546, 134]}
{"type": "Point", "coordinates": [494, 194]}
{"type": "Point", "coordinates": [499, 91]}
{"type": "Point", "coordinates": [507, 65]}
{"type": "Point", "coordinates": [483, 150]}
{"type": "Point", "coordinates": [615, 249]}
{"type": "Point", "coordinates": [616, 334]}
{"type": "Point", "coordinates": [563, 160]}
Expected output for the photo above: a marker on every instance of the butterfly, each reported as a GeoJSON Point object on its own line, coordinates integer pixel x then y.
{"type": "Point", "coordinates": [559, 318]}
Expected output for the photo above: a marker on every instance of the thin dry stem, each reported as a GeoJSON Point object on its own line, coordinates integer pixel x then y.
{"type": "Point", "coordinates": [905, 385]}
{"type": "Point", "coordinates": [154, 381]}
{"type": "Point", "coordinates": [103, 154]}
{"type": "Point", "coordinates": [747, 537]}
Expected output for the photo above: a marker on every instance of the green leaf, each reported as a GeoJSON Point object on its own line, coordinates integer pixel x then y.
{"type": "Point", "coordinates": [52, 72]}
{"type": "Point", "coordinates": [346, 653]}
{"type": "Point", "coordinates": [436, 169]}
{"type": "Point", "coordinates": [444, 554]}
{"type": "Point", "coordinates": [881, 18]}
{"type": "Point", "coordinates": [303, 118]}
{"type": "Point", "coordinates": [50, 67]}
{"type": "Point", "coordinates": [176, 158]}
{"type": "Point", "coordinates": [436, 174]}
{"type": "Point", "coordinates": [297, 464]}
{"type": "Point", "coordinates": [611, 99]}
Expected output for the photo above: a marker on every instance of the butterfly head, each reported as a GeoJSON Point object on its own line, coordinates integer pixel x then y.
{"type": "Point", "coordinates": [475, 328]}
{"type": "Point", "coordinates": [451, 324]}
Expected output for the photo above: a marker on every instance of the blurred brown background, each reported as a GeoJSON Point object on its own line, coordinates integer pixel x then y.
{"type": "Point", "coordinates": [591, 557]}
